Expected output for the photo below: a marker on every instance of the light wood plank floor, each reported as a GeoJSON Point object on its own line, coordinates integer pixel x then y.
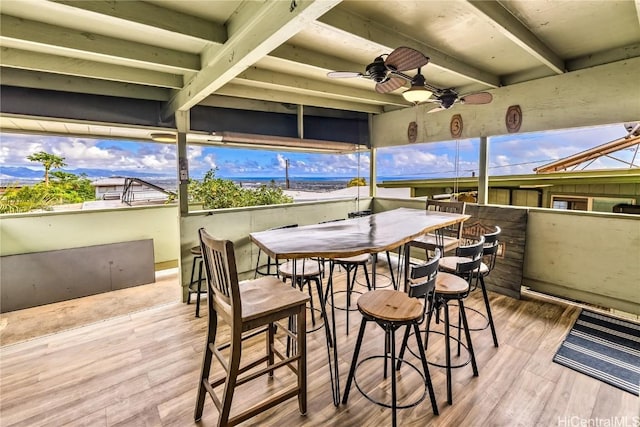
{"type": "Point", "coordinates": [142, 369]}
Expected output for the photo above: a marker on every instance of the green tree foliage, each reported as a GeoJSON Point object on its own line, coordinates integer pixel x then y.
{"type": "Point", "coordinates": [357, 182]}
{"type": "Point", "coordinates": [49, 161]}
{"type": "Point", "coordinates": [218, 193]}
{"type": "Point", "coordinates": [63, 188]}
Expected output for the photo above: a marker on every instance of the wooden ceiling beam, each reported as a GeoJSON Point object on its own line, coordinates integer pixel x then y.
{"type": "Point", "coordinates": [254, 30]}
{"type": "Point", "coordinates": [301, 57]}
{"type": "Point", "coordinates": [58, 82]}
{"type": "Point", "coordinates": [32, 35]}
{"type": "Point", "coordinates": [154, 16]}
{"type": "Point", "coordinates": [293, 83]}
{"type": "Point", "coordinates": [35, 61]}
{"type": "Point", "coordinates": [250, 92]}
{"type": "Point", "coordinates": [514, 30]}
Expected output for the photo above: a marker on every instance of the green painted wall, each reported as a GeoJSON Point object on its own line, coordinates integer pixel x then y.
{"type": "Point", "coordinates": [236, 224]}
{"type": "Point", "coordinates": [587, 256]}
{"type": "Point", "coordinates": [37, 232]}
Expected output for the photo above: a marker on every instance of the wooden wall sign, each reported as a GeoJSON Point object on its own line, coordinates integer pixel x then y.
{"type": "Point", "coordinates": [513, 119]}
{"type": "Point", "coordinates": [412, 132]}
{"type": "Point", "coordinates": [455, 126]}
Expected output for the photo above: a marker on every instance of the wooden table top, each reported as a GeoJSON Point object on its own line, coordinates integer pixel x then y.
{"type": "Point", "coordinates": [370, 234]}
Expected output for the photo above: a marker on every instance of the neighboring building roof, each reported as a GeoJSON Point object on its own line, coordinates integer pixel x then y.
{"type": "Point", "coordinates": [109, 182]}
{"type": "Point", "coordinates": [591, 154]}
{"type": "Point", "coordinates": [348, 192]}
{"type": "Point", "coordinates": [609, 176]}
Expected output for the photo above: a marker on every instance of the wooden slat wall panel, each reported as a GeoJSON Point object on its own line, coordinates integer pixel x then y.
{"type": "Point", "coordinates": [506, 278]}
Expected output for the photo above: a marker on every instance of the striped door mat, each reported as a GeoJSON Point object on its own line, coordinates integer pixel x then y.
{"type": "Point", "coordinates": [604, 348]}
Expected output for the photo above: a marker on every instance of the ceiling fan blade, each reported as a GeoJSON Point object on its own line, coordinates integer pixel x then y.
{"type": "Point", "coordinates": [406, 58]}
{"type": "Point", "coordinates": [477, 98]}
{"type": "Point", "coordinates": [392, 84]}
{"type": "Point", "coordinates": [344, 74]}
{"type": "Point", "coordinates": [435, 110]}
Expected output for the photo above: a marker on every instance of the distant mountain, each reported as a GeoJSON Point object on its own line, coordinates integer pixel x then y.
{"type": "Point", "coordinates": [14, 173]}
{"type": "Point", "coordinates": [8, 172]}
{"type": "Point", "coordinates": [104, 173]}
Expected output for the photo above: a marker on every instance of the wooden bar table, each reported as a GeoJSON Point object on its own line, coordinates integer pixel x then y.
{"type": "Point", "coordinates": [376, 233]}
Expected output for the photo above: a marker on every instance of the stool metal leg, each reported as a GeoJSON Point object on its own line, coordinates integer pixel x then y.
{"type": "Point", "coordinates": [447, 349]}
{"type": "Point", "coordinates": [425, 367]}
{"type": "Point", "coordinates": [199, 289]}
{"type": "Point", "coordinates": [354, 361]}
{"type": "Point", "coordinates": [394, 403]}
{"type": "Point", "coordinates": [468, 335]}
{"type": "Point", "coordinates": [489, 316]}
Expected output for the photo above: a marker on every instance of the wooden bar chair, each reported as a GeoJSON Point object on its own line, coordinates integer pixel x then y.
{"type": "Point", "coordinates": [249, 308]}
{"type": "Point", "coordinates": [446, 238]}
{"type": "Point", "coordinates": [391, 310]}
{"type": "Point", "coordinates": [489, 255]}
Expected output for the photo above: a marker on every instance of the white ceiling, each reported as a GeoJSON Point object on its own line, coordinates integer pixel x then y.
{"type": "Point", "coordinates": [220, 53]}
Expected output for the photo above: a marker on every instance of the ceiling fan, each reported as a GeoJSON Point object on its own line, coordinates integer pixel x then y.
{"type": "Point", "coordinates": [389, 75]}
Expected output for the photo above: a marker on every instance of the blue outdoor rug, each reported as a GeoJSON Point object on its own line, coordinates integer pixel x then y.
{"type": "Point", "coordinates": [604, 348]}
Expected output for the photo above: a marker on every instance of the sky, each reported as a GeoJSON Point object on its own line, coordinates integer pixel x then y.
{"type": "Point", "coordinates": [509, 154]}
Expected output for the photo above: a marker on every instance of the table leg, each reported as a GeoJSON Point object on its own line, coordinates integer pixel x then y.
{"type": "Point", "coordinates": [330, 331]}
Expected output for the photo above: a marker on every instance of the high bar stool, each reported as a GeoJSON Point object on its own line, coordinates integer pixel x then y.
{"type": "Point", "coordinates": [391, 310]}
{"type": "Point", "coordinates": [306, 271]}
{"type": "Point", "coordinates": [489, 255]}
{"type": "Point", "coordinates": [368, 212]}
{"type": "Point", "coordinates": [195, 287]}
{"type": "Point", "coordinates": [249, 308]}
{"type": "Point", "coordinates": [350, 265]}
{"type": "Point", "coordinates": [450, 287]}
{"type": "Point", "coordinates": [260, 271]}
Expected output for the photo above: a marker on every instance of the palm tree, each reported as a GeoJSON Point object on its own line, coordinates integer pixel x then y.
{"type": "Point", "coordinates": [49, 161]}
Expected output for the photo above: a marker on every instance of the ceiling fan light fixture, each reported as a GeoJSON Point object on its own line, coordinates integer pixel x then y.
{"type": "Point", "coordinates": [417, 94]}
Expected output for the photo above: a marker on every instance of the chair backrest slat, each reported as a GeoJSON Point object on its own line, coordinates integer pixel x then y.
{"type": "Point", "coordinates": [220, 269]}
{"type": "Point", "coordinates": [473, 250]}
{"type": "Point", "coordinates": [454, 230]}
{"type": "Point", "coordinates": [423, 277]}
{"type": "Point", "coordinates": [491, 245]}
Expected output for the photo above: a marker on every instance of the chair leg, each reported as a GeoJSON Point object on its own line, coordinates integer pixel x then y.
{"type": "Point", "coordinates": [403, 347]}
{"type": "Point", "coordinates": [307, 281]}
{"type": "Point", "coordinates": [426, 332]}
{"type": "Point", "coordinates": [271, 330]}
{"type": "Point", "coordinates": [394, 403]}
{"type": "Point", "coordinates": [393, 279]}
{"type": "Point", "coordinates": [193, 272]}
{"type": "Point", "coordinates": [206, 365]}
{"type": "Point", "coordinates": [348, 297]}
{"type": "Point", "coordinates": [255, 274]}
{"type": "Point", "coordinates": [235, 350]}
{"type": "Point", "coordinates": [302, 361]}
{"type": "Point", "coordinates": [366, 276]}
{"type": "Point", "coordinates": [354, 361]}
{"type": "Point", "coordinates": [425, 367]}
{"type": "Point", "coordinates": [489, 316]}
{"type": "Point", "coordinates": [468, 335]}
{"type": "Point", "coordinates": [199, 289]}
{"type": "Point", "coordinates": [447, 349]}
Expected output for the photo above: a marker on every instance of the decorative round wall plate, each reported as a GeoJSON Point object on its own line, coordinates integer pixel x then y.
{"type": "Point", "coordinates": [455, 126]}
{"type": "Point", "coordinates": [412, 132]}
{"type": "Point", "coordinates": [513, 119]}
